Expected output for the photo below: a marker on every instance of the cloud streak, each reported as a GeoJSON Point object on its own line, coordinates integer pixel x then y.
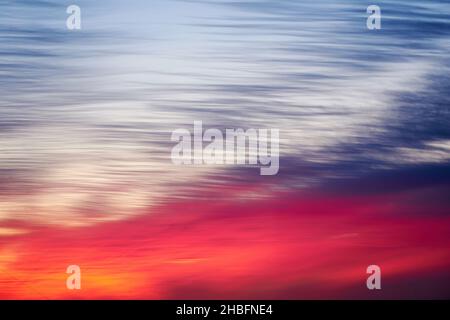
{"type": "Point", "coordinates": [86, 119]}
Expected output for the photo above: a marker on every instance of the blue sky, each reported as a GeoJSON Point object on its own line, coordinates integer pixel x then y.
{"type": "Point", "coordinates": [348, 101]}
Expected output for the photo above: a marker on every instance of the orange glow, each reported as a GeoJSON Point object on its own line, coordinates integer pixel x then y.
{"type": "Point", "coordinates": [292, 247]}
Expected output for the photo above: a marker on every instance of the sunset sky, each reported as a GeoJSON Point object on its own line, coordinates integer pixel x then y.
{"type": "Point", "coordinates": [86, 176]}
